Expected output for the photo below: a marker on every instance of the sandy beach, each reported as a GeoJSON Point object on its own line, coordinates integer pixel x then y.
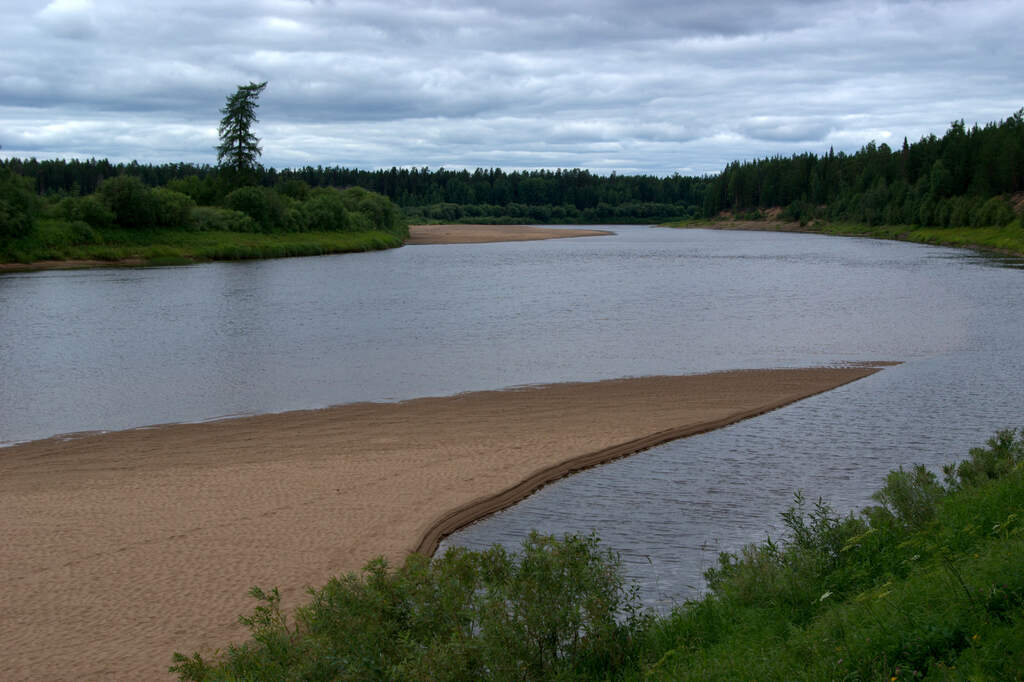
{"type": "Point", "coordinates": [120, 548]}
{"type": "Point", "coordinates": [478, 234]}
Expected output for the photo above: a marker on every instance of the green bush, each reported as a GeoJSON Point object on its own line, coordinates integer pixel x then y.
{"type": "Point", "coordinates": [911, 497]}
{"type": "Point", "coordinates": [172, 209]}
{"type": "Point", "coordinates": [1003, 452]}
{"type": "Point", "coordinates": [379, 210]}
{"type": "Point", "coordinates": [325, 211]}
{"type": "Point", "coordinates": [996, 212]}
{"type": "Point", "coordinates": [130, 201]}
{"type": "Point", "coordinates": [558, 607]}
{"type": "Point", "coordinates": [90, 209]}
{"type": "Point", "coordinates": [262, 204]}
{"type": "Point", "coordinates": [18, 204]}
{"type": "Point", "coordinates": [216, 219]}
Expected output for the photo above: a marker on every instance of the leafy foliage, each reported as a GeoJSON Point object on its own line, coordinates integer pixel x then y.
{"type": "Point", "coordinates": [927, 585]}
{"type": "Point", "coordinates": [130, 201]}
{"type": "Point", "coordinates": [17, 204]}
{"type": "Point", "coordinates": [263, 205]}
{"type": "Point", "coordinates": [557, 608]}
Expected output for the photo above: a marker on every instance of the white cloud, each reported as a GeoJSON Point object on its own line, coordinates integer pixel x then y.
{"type": "Point", "coordinates": [629, 86]}
{"type": "Point", "coordinates": [69, 19]}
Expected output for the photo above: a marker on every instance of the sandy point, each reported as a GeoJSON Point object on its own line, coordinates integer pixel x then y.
{"type": "Point", "coordinates": [121, 548]}
{"type": "Point", "coordinates": [478, 234]}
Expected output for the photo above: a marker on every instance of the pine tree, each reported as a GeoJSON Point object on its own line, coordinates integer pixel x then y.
{"type": "Point", "coordinates": [239, 149]}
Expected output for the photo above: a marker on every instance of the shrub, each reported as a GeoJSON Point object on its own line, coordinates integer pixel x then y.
{"type": "Point", "coordinates": [380, 211]}
{"type": "Point", "coordinates": [996, 212]}
{"type": "Point", "coordinates": [325, 211]}
{"type": "Point", "coordinates": [798, 211]}
{"type": "Point", "coordinates": [1002, 452]}
{"type": "Point", "coordinates": [263, 205]}
{"type": "Point", "coordinates": [130, 201]}
{"type": "Point", "coordinates": [172, 209]}
{"type": "Point", "coordinates": [89, 209]}
{"type": "Point", "coordinates": [216, 219]}
{"type": "Point", "coordinates": [554, 608]}
{"type": "Point", "coordinates": [911, 497]}
{"type": "Point", "coordinates": [18, 204]}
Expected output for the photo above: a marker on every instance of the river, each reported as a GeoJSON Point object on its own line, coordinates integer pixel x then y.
{"type": "Point", "coordinates": [121, 348]}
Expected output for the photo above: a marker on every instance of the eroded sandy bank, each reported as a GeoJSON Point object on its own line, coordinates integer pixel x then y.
{"type": "Point", "coordinates": [123, 547]}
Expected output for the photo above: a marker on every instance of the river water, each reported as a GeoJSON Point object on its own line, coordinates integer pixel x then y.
{"type": "Point", "coordinates": [120, 348]}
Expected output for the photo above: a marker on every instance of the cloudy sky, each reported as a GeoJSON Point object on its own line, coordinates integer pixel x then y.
{"type": "Point", "coordinates": [639, 86]}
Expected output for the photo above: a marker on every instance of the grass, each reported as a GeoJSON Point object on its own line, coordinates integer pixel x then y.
{"type": "Point", "coordinates": [927, 584]}
{"type": "Point", "coordinates": [61, 240]}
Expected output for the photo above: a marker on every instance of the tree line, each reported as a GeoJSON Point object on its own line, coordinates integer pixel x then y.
{"type": "Point", "coordinates": [418, 189]}
{"type": "Point", "coordinates": [965, 178]}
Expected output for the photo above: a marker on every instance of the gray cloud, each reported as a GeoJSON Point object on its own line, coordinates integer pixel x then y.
{"type": "Point", "coordinates": [644, 86]}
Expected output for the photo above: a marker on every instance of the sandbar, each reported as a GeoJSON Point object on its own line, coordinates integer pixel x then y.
{"type": "Point", "coordinates": [120, 548]}
{"type": "Point", "coordinates": [479, 234]}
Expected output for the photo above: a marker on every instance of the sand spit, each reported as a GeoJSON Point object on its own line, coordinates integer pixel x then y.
{"type": "Point", "coordinates": [120, 548]}
{"type": "Point", "coordinates": [478, 234]}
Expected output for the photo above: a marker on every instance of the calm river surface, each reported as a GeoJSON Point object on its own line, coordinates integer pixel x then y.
{"type": "Point", "coordinates": [120, 348]}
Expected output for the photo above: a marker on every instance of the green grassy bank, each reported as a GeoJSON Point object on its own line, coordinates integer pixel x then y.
{"type": "Point", "coordinates": [927, 584]}
{"type": "Point", "coordinates": [1008, 240]}
{"type": "Point", "coordinates": [59, 240]}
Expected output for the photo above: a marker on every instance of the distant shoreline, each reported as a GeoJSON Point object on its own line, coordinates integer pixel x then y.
{"type": "Point", "coordinates": [481, 234]}
{"type": "Point", "coordinates": [418, 234]}
{"type": "Point", "coordinates": [989, 240]}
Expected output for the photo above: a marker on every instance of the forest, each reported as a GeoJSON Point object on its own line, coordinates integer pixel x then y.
{"type": "Point", "coordinates": [970, 177]}
{"type": "Point", "coordinates": [965, 178]}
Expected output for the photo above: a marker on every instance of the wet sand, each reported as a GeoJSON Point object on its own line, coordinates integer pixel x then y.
{"type": "Point", "coordinates": [120, 548]}
{"type": "Point", "coordinates": [478, 234]}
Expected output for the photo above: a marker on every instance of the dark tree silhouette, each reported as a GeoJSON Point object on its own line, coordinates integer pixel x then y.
{"type": "Point", "coordinates": [239, 149]}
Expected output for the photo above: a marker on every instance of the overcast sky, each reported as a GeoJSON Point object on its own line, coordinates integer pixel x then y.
{"type": "Point", "coordinates": [638, 86]}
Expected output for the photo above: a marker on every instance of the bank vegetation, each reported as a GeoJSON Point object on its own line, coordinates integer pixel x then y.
{"type": "Point", "coordinates": [926, 584]}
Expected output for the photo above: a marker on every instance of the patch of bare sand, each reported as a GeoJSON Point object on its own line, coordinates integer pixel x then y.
{"type": "Point", "coordinates": [120, 548]}
{"type": "Point", "coordinates": [477, 234]}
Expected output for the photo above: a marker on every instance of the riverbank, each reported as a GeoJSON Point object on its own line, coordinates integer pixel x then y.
{"type": "Point", "coordinates": [170, 247]}
{"type": "Point", "coordinates": [477, 234]}
{"type": "Point", "coordinates": [1006, 241]}
{"type": "Point", "coordinates": [925, 585]}
{"type": "Point", "coordinates": [124, 547]}
{"type": "Point", "coordinates": [175, 247]}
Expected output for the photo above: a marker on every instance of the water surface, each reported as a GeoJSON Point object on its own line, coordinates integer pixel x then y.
{"type": "Point", "coordinates": [121, 348]}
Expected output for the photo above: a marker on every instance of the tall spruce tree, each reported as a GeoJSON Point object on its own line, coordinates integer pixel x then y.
{"type": "Point", "coordinates": [239, 148]}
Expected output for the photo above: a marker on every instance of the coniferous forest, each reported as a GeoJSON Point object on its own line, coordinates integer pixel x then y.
{"type": "Point", "coordinates": [970, 177]}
